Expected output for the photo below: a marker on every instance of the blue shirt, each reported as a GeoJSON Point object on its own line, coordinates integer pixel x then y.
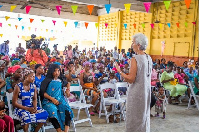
{"type": "Point", "coordinates": [38, 81]}
{"type": "Point", "coordinates": [4, 48]}
{"type": "Point", "coordinates": [109, 67]}
{"type": "Point", "coordinates": [98, 75]}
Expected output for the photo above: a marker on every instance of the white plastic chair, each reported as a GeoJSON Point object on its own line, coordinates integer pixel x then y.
{"type": "Point", "coordinates": [192, 94]}
{"type": "Point", "coordinates": [80, 104]}
{"type": "Point", "coordinates": [110, 100]}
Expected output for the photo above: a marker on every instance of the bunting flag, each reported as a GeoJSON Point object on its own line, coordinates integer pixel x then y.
{"type": "Point", "coordinates": [76, 24]}
{"type": "Point", "coordinates": [194, 23]}
{"type": "Point", "coordinates": [160, 25]}
{"type": "Point", "coordinates": [31, 20]}
{"type": "Point", "coordinates": [41, 29]}
{"type": "Point", "coordinates": [35, 29]}
{"type": "Point", "coordinates": [54, 22]}
{"type": "Point", "coordinates": [29, 28]}
{"type": "Point", "coordinates": [167, 4]}
{"type": "Point", "coordinates": [74, 8]}
{"type": "Point", "coordinates": [90, 8]}
{"type": "Point", "coordinates": [42, 20]}
{"type": "Point", "coordinates": [177, 25]}
{"type": "Point", "coordinates": [115, 25]}
{"type": "Point", "coordinates": [22, 27]}
{"type": "Point", "coordinates": [12, 8]}
{"type": "Point", "coordinates": [169, 25]}
{"type": "Point", "coordinates": [143, 25]}
{"type": "Point", "coordinates": [186, 24]}
{"type": "Point", "coordinates": [86, 25]}
{"type": "Point", "coordinates": [147, 6]}
{"type": "Point", "coordinates": [17, 36]}
{"type": "Point", "coordinates": [127, 7]}
{"type": "Point", "coordinates": [58, 8]}
{"type": "Point", "coordinates": [16, 26]}
{"type": "Point", "coordinates": [106, 24]}
{"type": "Point", "coordinates": [52, 31]}
{"type": "Point", "coordinates": [19, 19]}
{"type": "Point", "coordinates": [47, 30]}
{"type": "Point", "coordinates": [187, 3]}
{"type": "Point", "coordinates": [0, 24]}
{"type": "Point", "coordinates": [1, 35]}
{"type": "Point", "coordinates": [9, 25]}
{"type": "Point", "coordinates": [65, 22]}
{"type": "Point", "coordinates": [152, 26]}
{"type": "Point", "coordinates": [125, 25]}
{"type": "Point", "coordinates": [134, 26]}
{"type": "Point", "coordinates": [96, 24]}
{"type": "Point", "coordinates": [1, 6]}
{"type": "Point", "coordinates": [7, 17]}
{"type": "Point", "coordinates": [28, 9]}
{"type": "Point", "coordinates": [108, 6]}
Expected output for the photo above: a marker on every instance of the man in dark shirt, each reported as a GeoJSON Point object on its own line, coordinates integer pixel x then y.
{"type": "Point", "coordinates": [20, 50]}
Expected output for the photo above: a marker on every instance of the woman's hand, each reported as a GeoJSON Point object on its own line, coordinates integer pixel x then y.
{"type": "Point", "coordinates": [172, 79]}
{"type": "Point", "coordinates": [117, 67]}
{"type": "Point", "coordinates": [67, 92]}
{"type": "Point", "coordinates": [32, 110]}
{"type": "Point", "coordinates": [55, 101]}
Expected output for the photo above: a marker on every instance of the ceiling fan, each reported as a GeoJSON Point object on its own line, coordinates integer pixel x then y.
{"type": "Point", "coordinates": [29, 2]}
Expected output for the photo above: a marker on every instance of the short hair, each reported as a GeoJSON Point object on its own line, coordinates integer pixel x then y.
{"type": "Point", "coordinates": [141, 40]}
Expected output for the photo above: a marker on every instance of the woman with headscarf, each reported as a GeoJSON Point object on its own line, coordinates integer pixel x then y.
{"type": "Point", "coordinates": [32, 65]}
{"type": "Point", "coordinates": [25, 102]}
{"type": "Point", "coordinates": [53, 100]}
{"type": "Point", "coordinates": [14, 77]}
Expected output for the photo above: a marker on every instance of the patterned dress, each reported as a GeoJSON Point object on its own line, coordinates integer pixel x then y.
{"type": "Point", "coordinates": [57, 111]}
{"type": "Point", "coordinates": [26, 99]}
{"type": "Point", "coordinates": [160, 105]}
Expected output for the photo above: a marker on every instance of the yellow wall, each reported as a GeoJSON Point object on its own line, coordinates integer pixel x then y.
{"type": "Point", "coordinates": [175, 38]}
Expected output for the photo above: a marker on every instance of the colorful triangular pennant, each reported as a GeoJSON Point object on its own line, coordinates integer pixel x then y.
{"type": "Point", "coordinates": [19, 19]}
{"type": "Point", "coordinates": [152, 26]}
{"type": "Point", "coordinates": [16, 26]}
{"type": "Point", "coordinates": [169, 25]}
{"type": "Point", "coordinates": [143, 25]}
{"type": "Point", "coordinates": [28, 9]}
{"type": "Point", "coordinates": [12, 7]}
{"type": "Point", "coordinates": [115, 25]}
{"type": "Point", "coordinates": [108, 6]}
{"type": "Point", "coordinates": [127, 7]}
{"type": "Point", "coordinates": [65, 22]}
{"type": "Point", "coordinates": [125, 25]}
{"type": "Point", "coordinates": [1, 35]}
{"type": "Point", "coordinates": [76, 24]}
{"type": "Point", "coordinates": [47, 30]}
{"type": "Point", "coordinates": [106, 24]}
{"type": "Point", "coordinates": [42, 20]}
{"type": "Point", "coordinates": [54, 22]}
{"type": "Point", "coordinates": [74, 8]}
{"type": "Point", "coordinates": [58, 8]}
{"type": "Point", "coordinates": [147, 6]}
{"type": "Point", "coordinates": [177, 25]}
{"type": "Point", "coordinates": [167, 4]}
{"type": "Point", "coordinates": [186, 24]}
{"type": "Point", "coordinates": [1, 6]}
{"type": "Point", "coordinates": [22, 27]}
{"type": "Point", "coordinates": [160, 25]}
{"type": "Point", "coordinates": [0, 24]}
{"type": "Point", "coordinates": [96, 24]}
{"type": "Point", "coordinates": [86, 25]}
{"type": "Point", "coordinates": [187, 3]}
{"type": "Point", "coordinates": [194, 23]}
{"type": "Point", "coordinates": [9, 25]}
{"type": "Point", "coordinates": [90, 8]}
{"type": "Point", "coordinates": [7, 17]}
{"type": "Point", "coordinates": [134, 26]}
{"type": "Point", "coordinates": [31, 20]}
{"type": "Point", "coordinates": [29, 28]}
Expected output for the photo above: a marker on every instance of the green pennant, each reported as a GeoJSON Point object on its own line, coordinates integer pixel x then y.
{"type": "Point", "coordinates": [42, 20]}
{"type": "Point", "coordinates": [167, 4]}
{"type": "Point", "coordinates": [74, 8]}
{"type": "Point", "coordinates": [143, 25]}
{"type": "Point", "coordinates": [9, 25]}
{"type": "Point", "coordinates": [186, 24]}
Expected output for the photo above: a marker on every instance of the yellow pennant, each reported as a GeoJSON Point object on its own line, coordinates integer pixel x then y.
{"type": "Point", "coordinates": [65, 22]}
{"type": "Point", "coordinates": [127, 7]}
{"type": "Point", "coordinates": [7, 17]}
{"type": "Point", "coordinates": [1, 35]}
{"type": "Point", "coordinates": [29, 28]}
{"type": "Point", "coordinates": [12, 8]}
{"type": "Point", "coordinates": [46, 30]}
{"type": "Point", "coordinates": [160, 25]}
{"type": "Point", "coordinates": [115, 24]}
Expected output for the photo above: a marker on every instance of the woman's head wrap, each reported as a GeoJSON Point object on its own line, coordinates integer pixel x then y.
{"type": "Point", "coordinates": [53, 59]}
{"type": "Point", "coordinates": [32, 63]}
{"type": "Point", "coordinates": [100, 65]}
{"type": "Point", "coordinates": [27, 71]}
{"type": "Point", "coordinates": [58, 63]}
{"type": "Point", "coordinates": [14, 61]}
{"type": "Point", "coordinates": [6, 58]}
{"type": "Point", "coordinates": [87, 63]}
{"type": "Point", "coordinates": [13, 69]}
{"type": "Point", "coordinates": [2, 62]}
{"type": "Point", "coordinates": [93, 61]}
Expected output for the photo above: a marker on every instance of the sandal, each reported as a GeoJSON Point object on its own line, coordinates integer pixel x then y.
{"type": "Point", "coordinates": [92, 113]}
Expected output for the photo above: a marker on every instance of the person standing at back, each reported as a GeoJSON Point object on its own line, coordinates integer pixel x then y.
{"type": "Point", "coordinates": [4, 48]}
{"type": "Point", "coordinates": [139, 95]}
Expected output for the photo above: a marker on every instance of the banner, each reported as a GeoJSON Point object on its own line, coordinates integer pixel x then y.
{"type": "Point", "coordinates": [127, 7]}
{"type": "Point", "coordinates": [106, 24]}
{"type": "Point", "coordinates": [187, 3]}
{"type": "Point", "coordinates": [76, 24]}
{"type": "Point", "coordinates": [58, 8]}
{"type": "Point", "coordinates": [90, 8]}
{"type": "Point", "coordinates": [107, 6]}
{"type": "Point", "coordinates": [96, 24]}
{"type": "Point", "coordinates": [28, 9]}
{"type": "Point", "coordinates": [167, 4]}
{"type": "Point", "coordinates": [31, 20]}
{"type": "Point", "coordinates": [134, 26]}
{"type": "Point", "coordinates": [54, 22]}
{"type": "Point", "coordinates": [65, 22]}
{"type": "Point", "coordinates": [12, 8]}
{"type": "Point", "coordinates": [152, 26]}
{"type": "Point", "coordinates": [125, 25]}
{"type": "Point", "coordinates": [147, 6]}
{"type": "Point", "coordinates": [86, 25]}
{"type": "Point", "coordinates": [74, 8]}
{"type": "Point", "coordinates": [19, 19]}
{"type": "Point", "coordinates": [7, 17]}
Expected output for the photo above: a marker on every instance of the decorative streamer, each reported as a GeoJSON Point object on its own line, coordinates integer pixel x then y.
{"type": "Point", "coordinates": [90, 8]}
{"type": "Point", "coordinates": [29, 28]}
{"type": "Point", "coordinates": [167, 4]}
{"type": "Point", "coordinates": [76, 24]}
{"type": "Point", "coordinates": [160, 25]}
{"type": "Point", "coordinates": [152, 26]}
{"type": "Point", "coordinates": [107, 6]}
{"type": "Point", "coordinates": [187, 3]}
{"type": "Point", "coordinates": [9, 25]}
{"type": "Point", "coordinates": [31, 20]}
{"type": "Point", "coordinates": [194, 23]}
{"type": "Point", "coordinates": [169, 25]}
{"type": "Point", "coordinates": [47, 30]}
{"type": "Point", "coordinates": [86, 25]}
{"type": "Point", "coordinates": [96, 24]}
{"type": "Point", "coordinates": [28, 9]}
{"type": "Point", "coordinates": [54, 22]}
{"type": "Point", "coordinates": [0, 24]}
{"type": "Point", "coordinates": [127, 7]}
{"type": "Point", "coordinates": [65, 22]}
{"type": "Point", "coordinates": [16, 26]}
{"type": "Point", "coordinates": [177, 25]}
{"type": "Point", "coordinates": [147, 6]}
{"type": "Point", "coordinates": [12, 8]}
{"type": "Point", "coordinates": [125, 25]}
{"type": "Point", "coordinates": [58, 9]}
{"type": "Point", "coordinates": [19, 19]}
{"type": "Point", "coordinates": [1, 35]}
{"type": "Point", "coordinates": [143, 25]}
{"type": "Point", "coordinates": [106, 24]}
{"type": "Point", "coordinates": [134, 26]}
{"type": "Point", "coordinates": [186, 24]}
{"type": "Point", "coordinates": [74, 8]}
{"type": "Point", "coordinates": [115, 25]}
{"type": "Point", "coordinates": [22, 27]}
{"type": "Point", "coordinates": [7, 17]}
{"type": "Point", "coordinates": [42, 20]}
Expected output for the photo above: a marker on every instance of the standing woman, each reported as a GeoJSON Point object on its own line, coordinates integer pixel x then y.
{"type": "Point", "coordinates": [139, 95]}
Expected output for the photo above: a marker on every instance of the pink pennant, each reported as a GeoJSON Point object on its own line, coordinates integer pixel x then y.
{"type": "Point", "coordinates": [54, 22]}
{"type": "Point", "coordinates": [147, 6]}
{"type": "Point", "coordinates": [106, 24]}
{"type": "Point", "coordinates": [194, 23]}
{"type": "Point", "coordinates": [18, 36]}
{"type": "Point", "coordinates": [152, 26]}
{"type": "Point", "coordinates": [0, 24]}
{"type": "Point", "coordinates": [28, 9]}
{"type": "Point", "coordinates": [58, 9]}
{"type": "Point", "coordinates": [35, 29]}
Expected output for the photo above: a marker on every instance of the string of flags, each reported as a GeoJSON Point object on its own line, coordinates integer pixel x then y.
{"type": "Point", "coordinates": [127, 6]}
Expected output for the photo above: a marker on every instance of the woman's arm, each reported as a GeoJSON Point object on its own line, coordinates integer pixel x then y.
{"type": "Point", "coordinates": [2, 83]}
{"type": "Point", "coordinates": [35, 98]}
{"type": "Point", "coordinates": [51, 98]}
{"type": "Point", "coordinates": [82, 83]}
{"type": "Point", "coordinates": [132, 75]}
{"type": "Point", "coordinates": [196, 83]}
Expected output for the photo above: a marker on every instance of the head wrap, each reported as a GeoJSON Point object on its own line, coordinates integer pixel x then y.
{"type": "Point", "coordinates": [13, 55]}
{"type": "Point", "coordinates": [27, 71]}
{"type": "Point", "coordinates": [93, 61]}
{"type": "Point", "coordinates": [121, 66]}
{"type": "Point", "coordinates": [33, 63]}
{"type": "Point", "coordinates": [58, 63]}
{"type": "Point", "coordinates": [125, 62]}
{"type": "Point", "coordinates": [13, 69]}
{"type": "Point", "coordinates": [14, 61]}
{"type": "Point", "coordinates": [53, 59]}
{"type": "Point", "coordinates": [87, 63]}
{"type": "Point", "coordinates": [100, 65]}
{"type": "Point", "coordinates": [23, 66]}
{"type": "Point", "coordinates": [2, 54]}
{"type": "Point", "coordinates": [6, 58]}
{"type": "Point", "coordinates": [66, 62]}
{"type": "Point", "coordinates": [37, 66]}
{"type": "Point", "coordinates": [2, 62]}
